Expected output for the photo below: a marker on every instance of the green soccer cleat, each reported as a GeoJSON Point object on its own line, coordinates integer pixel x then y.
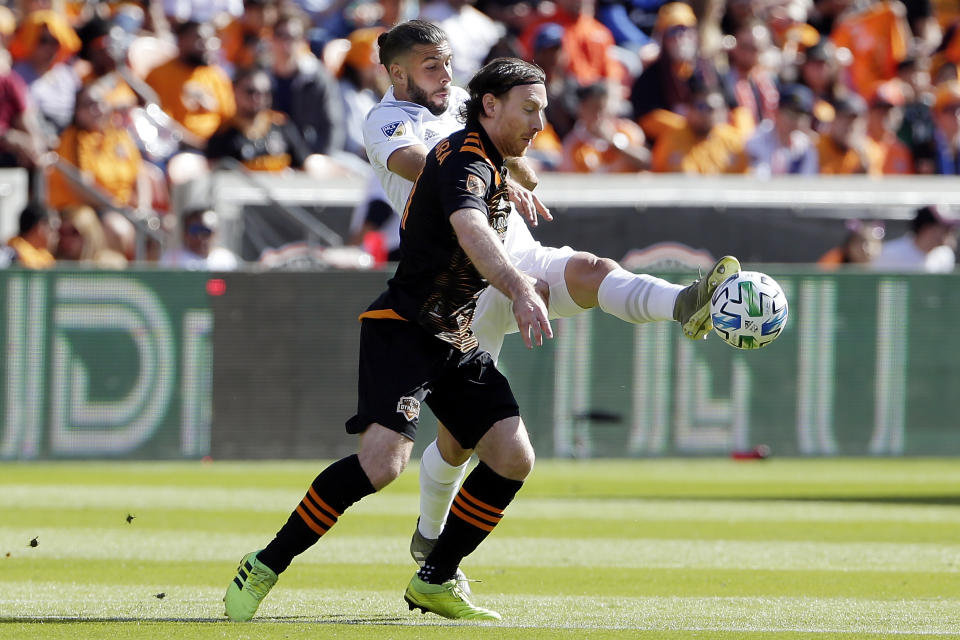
{"type": "Point", "coordinates": [692, 308]}
{"type": "Point", "coordinates": [447, 600]}
{"type": "Point", "coordinates": [251, 585]}
{"type": "Point", "coordinates": [420, 548]}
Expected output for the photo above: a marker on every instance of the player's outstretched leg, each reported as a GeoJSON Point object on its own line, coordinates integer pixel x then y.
{"type": "Point", "coordinates": [446, 599]}
{"type": "Point", "coordinates": [692, 308]}
{"type": "Point", "coordinates": [251, 585]}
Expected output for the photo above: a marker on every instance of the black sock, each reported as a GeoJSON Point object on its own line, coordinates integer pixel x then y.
{"type": "Point", "coordinates": [336, 488]}
{"type": "Point", "coordinates": [475, 511]}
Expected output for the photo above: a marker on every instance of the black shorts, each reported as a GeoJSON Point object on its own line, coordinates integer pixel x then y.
{"type": "Point", "coordinates": [402, 366]}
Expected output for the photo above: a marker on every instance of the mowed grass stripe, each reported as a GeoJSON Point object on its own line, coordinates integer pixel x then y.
{"type": "Point", "coordinates": [833, 478]}
{"type": "Point", "coordinates": [130, 544]}
{"type": "Point", "coordinates": [400, 503]}
{"type": "Point", "coordinates": [590, 525]}
{"type": "Point", "coordinates": [567, 581]}
{"type": "Point", "coordinates": [39, 600]}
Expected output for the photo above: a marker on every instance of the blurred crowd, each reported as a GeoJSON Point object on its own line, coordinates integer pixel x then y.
{"type": "Point", "coordinates": [112, 105]}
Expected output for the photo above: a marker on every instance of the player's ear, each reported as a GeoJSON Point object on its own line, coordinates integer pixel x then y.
{"type": "Point", "coordinates": [397, 73]}
{"type": "Point", "coordinates": [489, 102]}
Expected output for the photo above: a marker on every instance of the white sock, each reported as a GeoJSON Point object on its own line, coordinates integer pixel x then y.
{"type": "Point", "coordinates": [637, 298]}
{"type": "Point", "coordinates": [439, 483]}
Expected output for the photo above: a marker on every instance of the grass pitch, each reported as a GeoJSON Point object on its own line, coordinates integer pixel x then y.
{"type": "Point", "coordinates": [600, 549]}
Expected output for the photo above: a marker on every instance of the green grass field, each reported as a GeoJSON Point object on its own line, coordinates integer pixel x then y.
{"type": "Point", "coordinates": [602, 549]}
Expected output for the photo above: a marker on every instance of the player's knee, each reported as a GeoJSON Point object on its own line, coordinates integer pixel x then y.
{"type": "Point", "coordinates": [508, 451]}
{"type": "Point", "coordinates": [383, 455]}
{"type": "Point", "coordinates": [382, 470]}
{"type": "Point", "coordinates": [583, 274]}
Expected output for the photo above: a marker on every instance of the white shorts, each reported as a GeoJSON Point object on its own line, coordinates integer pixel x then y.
{"type": "Point", "coordinates": [494, 315]}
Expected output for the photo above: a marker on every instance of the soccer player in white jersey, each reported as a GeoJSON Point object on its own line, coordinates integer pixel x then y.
{"type": "Point", "coordinates": [419, 110]}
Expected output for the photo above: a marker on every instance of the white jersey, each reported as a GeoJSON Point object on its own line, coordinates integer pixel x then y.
{"type": "Point", "coordinates": [395, 124]}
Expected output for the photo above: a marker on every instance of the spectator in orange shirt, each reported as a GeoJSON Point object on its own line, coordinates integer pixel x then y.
{"type": "Point", "coordinates": [245, 39]}
{"type": "Point", "coordinates": [878, 36]}
{"type": "Point", "coordinates": [701, 141]}
{"type": "Point", "coordinates": [101, 149]}
{"type": "Point", "coordinates": [844, 147]}
{"type": "Point", "coordinates": [587, 42]}
{"type": "Point", "coordinates": [602, 142]}
{"type": "Point", "coordinates": [861, 245]}
{"type": "Point", "coordinates": [36, 238]}
{"type": "Point", "coordinates": [561, 88]}
{"type": "Point", "coordinates": [194, 92]}
{"type": "Point", "coordinates": [883, 121]}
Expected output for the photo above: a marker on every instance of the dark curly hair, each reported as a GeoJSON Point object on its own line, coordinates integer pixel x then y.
{"type": "Point", "coordinates": [497, 77]}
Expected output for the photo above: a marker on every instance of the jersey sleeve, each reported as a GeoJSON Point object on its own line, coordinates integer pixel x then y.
{"type": "Point", "coordinates": [466, 182]}
{"type": "Point", "coordinates": [386, 130]}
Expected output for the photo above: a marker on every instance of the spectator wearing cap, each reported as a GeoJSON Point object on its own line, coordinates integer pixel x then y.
{"type": "Point", "coordinates": [844, 147]}
{"type": "Point", "coordinates": [471, 34]}
{"type": "Point", "coordinates": [665, 83]}
{"type": "Point", "coordinates": [193, 90]}
{"type": "Point", "coordinates": [929, 246]}
{"type": "Point", "coordinates": [884, 117]}
{"type": "Point", "coordinates": [303, 88]}
{"type": "Point", "coordinates": [36, 239]}
{"type": "Point", "coordinates": [918, 125]}
{"type": "Point", "coordinates": [701, 141]}
{"type": "Point", "coordinates": [97, 48]}
{"type": "Point", "coordinates": [41, 47]}
{"type": "Point", "coordinates": [946, 134]}
{"type": "Point", "coordinates": [819, 70]}
{"type": "Point", "coordinates": [548, 53]}
{"type": "Point", "coordinates": [601, 141]}
{"type": "Point", "coordinates": [362, 82]}
{"type": "Point", "coordinates": [785, 145]}
{"type": "Point", "coordinates": [878, 38]}
{"type": "Point", "coordinates": [198, 250]}
{"type": "Point", "coordinates": [587, 42]}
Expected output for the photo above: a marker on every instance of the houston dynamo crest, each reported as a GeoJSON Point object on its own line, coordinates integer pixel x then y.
{"type": "Point", "coordinates": [409, 407]}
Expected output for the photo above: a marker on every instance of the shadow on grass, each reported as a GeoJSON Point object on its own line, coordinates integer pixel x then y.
{"type": "Point", "coordinates": [945, 500]}
{"type": "Point", "coordinates": [330, 619]}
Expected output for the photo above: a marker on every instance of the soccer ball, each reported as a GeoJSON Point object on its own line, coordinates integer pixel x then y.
{"type": "Point", "coordinates": [749, 310]}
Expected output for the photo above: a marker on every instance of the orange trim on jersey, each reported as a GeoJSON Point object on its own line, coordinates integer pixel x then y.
{"type": "Point", "coordinates": [307, 520]}
{"type": "Point", "coordinates": [460, 514]}
{"type": "Point", "coordinates": [380, 314]}
{"type": "Point", "coordinates": [480, 503]}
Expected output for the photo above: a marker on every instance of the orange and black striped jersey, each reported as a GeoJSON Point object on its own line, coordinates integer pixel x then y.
{"type": "Point", "coordinates": [436, 284]}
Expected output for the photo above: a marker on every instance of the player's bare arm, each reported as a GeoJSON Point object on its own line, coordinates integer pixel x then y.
{"type": "Point", "coordinates": [485, 250]}
{"type": "Point", "coordinates": [408, 162]}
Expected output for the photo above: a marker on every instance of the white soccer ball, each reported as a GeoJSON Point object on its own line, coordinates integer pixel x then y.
{"type": "Point", "coordinates": [749, 310]}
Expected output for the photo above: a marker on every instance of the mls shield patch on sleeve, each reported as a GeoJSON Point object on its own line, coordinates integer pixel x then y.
{"type": "Point", "coordinates": [394, 129]}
